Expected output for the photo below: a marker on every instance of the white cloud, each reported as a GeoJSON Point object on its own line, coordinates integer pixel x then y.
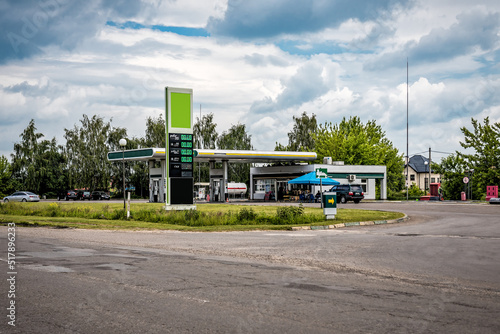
{"type": "Point", "coordinates": [185, 13]}
{"type": "Point", "coordinates": [424, 97]}
{"type": "Point", "coordinates": [83, 66]}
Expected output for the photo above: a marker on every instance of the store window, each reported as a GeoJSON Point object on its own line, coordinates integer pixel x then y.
{"type": "Point", "coordinates": [363, 185]}
{"type": "Point", "coordinates": [264, 185]}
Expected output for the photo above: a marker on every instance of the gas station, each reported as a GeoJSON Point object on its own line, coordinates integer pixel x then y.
{"type": "Point", "coordinates": [171, 179]}
{"type": "Point", "coordinates": [259, 176]}
{"type": "Point", "coordinates": [218, 184]}
{"type": "Point", "coordinates": [171, 168]}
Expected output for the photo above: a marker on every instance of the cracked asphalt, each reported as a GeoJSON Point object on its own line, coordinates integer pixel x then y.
{"type": "Point", "coordinates": [438, 272]}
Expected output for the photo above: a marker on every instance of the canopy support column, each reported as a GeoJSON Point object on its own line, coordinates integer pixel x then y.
{"type": "Point", "coordinates": [224, 181]}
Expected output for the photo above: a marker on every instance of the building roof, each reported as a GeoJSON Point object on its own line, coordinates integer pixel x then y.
{"type": "Point", "coordinates": [419, 164]}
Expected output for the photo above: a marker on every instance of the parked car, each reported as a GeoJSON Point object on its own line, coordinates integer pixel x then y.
{"type": "Point", "coordinates": [22, 196]}
{"type": "Point", "coordinates": [67, 195]}
{"type": "Point", "coordinates": [83, 195]}
{"type": "Point", "coordinates": [99, 195]}
{"type": "Point", "coordinates": [348, 192]}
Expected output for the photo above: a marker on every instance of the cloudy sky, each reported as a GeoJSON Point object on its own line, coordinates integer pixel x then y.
{"type": "Point", "coordinates": [256, 62]}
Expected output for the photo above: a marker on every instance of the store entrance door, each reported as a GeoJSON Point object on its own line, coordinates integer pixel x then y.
{"type": "Point", "coordinates": [281, 190]}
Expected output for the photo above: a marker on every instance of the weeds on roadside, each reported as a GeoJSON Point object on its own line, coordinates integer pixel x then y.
{"type": "Point", "coordinates": [54, 209]}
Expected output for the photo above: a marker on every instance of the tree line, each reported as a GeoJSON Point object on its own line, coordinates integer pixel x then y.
{"type": "Point", "coordinates": [44, 167]}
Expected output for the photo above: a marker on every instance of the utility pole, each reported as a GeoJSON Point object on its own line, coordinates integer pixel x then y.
{"type": "Point", "coordinates": [199, 163]}
{"type": "Point", "coordinates": [429, 170]}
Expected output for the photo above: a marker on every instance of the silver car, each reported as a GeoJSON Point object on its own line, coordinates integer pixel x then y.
{"type": "Point", "coordinates": [22, 196]}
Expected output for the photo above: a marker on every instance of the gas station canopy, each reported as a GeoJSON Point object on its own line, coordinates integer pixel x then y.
{"type": "Point", "coordinates": [252, 156]}
{"type": "Point", "coordinates": [204, 155]}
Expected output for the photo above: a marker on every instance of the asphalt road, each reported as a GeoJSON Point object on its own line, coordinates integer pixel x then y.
{"type": "Point", "coordinates": [439, 272]}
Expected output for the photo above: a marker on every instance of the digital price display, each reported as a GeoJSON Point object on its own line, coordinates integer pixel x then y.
{"type": "Point", "coordinates": [179, 183]}
{"type": "Point", "coordinates": [180, 155]}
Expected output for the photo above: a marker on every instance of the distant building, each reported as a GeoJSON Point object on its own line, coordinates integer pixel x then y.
{"type": "Point", "coordinates": [418, 172]}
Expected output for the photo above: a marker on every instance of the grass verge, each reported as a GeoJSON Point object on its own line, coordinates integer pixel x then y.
{"type": "Point", "coordinates": [152, 216]}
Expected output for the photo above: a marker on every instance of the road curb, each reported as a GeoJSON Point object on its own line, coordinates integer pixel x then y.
{"type": "Point", "coordinates": [341, 225]}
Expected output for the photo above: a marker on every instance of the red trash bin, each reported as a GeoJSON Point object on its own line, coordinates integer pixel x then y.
{"type": "Point", "coordinates": [463, 196]}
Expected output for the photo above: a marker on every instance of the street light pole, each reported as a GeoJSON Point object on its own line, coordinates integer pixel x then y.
{"type": "Point", "coordinates": [123, 143]}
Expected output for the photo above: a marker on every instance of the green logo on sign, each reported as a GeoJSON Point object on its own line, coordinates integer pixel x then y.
{"type": "Point", "coordinates": [321, 173]}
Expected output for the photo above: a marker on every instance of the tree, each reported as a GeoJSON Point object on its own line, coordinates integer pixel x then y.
{"type": "Point", "coordinates": [236, 138]}
{"type": "Point", "coordinates": [24, 165]}
{"type": "Point", "coordinates": [6, 181]}
{"type": "Point", "coordinates": [86, 151]}
{"type": "Point", "coordinates": [155, 132]}
{"type": "Point", "coordinates": [204, 137]}
{"type": "Point", "coordinates": [484, 139]}
{"type": "Point", "coordinates": [38, 165]}
{"type": "Point", "coordinates": [54, 172]}
{"type": "Point", "coordinates": [452, 169]}
{"type": "Point", "coordinates": [301, 136]}
{"type": "Point", "coordinates": [356, 143]}
{"type": "Point", "coordinates": [204, 132]}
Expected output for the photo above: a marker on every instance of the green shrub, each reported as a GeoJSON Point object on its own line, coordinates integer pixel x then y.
{"type": "Point", "coordinates": [415, 191]}
{"type": "Point", "coordinates": [246, 214]}
{"type": "Point", "coordinates": [119, 215]}
{"type": "Point", "coordinates": [288, 214]}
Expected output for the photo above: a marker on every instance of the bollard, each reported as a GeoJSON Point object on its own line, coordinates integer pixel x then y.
{"type": "Point", "coordinates": [128, 206]}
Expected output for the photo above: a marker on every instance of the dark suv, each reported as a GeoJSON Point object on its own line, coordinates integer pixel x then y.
{"type": "Point", "coordinates": [83, 195]}
{"type": "Point", "coordinates": [348, 192]}
{"type": "Point", "coordinates": [67, 195]}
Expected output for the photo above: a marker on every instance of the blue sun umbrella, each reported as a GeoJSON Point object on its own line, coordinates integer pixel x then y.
{"type": "Point", "coordinates": [310, 178]}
